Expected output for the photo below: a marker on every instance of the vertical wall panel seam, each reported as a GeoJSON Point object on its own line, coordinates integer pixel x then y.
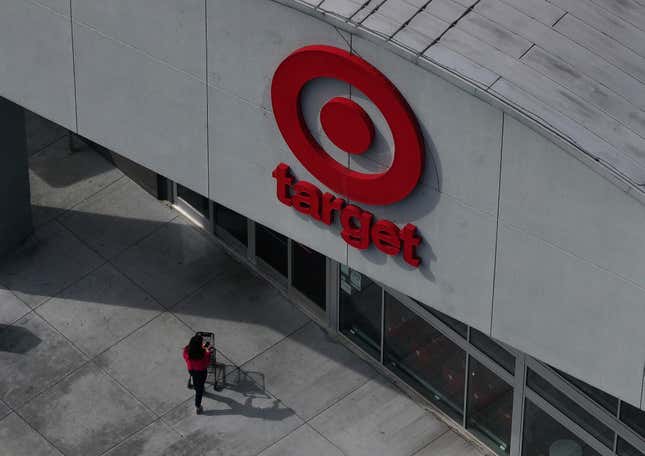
{"type": "Point", "coordinates": [71, 30]}
{"type": "Point", "coordinates": [208, 148]}
{"type": "Point", "coordinates": [643, 388]}
{"type": "Point", "coordinates": [499, 196]}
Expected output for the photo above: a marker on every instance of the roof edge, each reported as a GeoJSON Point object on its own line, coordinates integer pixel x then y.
{"type": "Point", "coordinates": [525, 117]}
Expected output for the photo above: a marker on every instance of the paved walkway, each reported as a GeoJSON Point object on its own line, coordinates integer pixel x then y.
{"type": "Point", "coordinates": [95, 308]}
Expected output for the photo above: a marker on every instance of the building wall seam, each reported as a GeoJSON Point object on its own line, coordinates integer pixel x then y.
{"type": "Point", "coordinates": [499, 197]}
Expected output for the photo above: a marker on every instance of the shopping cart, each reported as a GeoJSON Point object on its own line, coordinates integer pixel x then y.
{"type": "Point", "coordinates": [216, 373]}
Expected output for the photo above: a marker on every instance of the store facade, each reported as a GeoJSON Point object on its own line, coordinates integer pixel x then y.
{"type": "Point", "coordinates": [456, 243]}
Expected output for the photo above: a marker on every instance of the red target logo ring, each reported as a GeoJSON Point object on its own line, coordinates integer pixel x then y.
{"type": "Point", "coordinates": [319, 61]}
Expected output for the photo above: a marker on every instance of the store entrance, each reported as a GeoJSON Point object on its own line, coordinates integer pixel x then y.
{"type": "Point", "coordinates": [299, 271]}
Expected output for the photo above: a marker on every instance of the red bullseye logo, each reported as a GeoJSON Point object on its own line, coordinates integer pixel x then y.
{"type": "Point", "coordinates": [347, 124]}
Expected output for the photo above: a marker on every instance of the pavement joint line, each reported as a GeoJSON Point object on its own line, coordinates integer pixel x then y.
{"type": "Point", "coordinates": [55, 329]}
{"type": "Point", "coordinates": [160, 420]}
{"type": "Point", "coordinates": [55, 383]}
{"type": "Point", "coordinates": [124, 249]}
{"type": "Point", "coordinates": [286, 336]}
{"type": "Point", "coordinates": [24, 420]}
{"type": "Point", "coordinates": [12, 323]}
{"type": "Point", "coordinates": [139, 287]}
{"type": "Point", "coordinates": [64, 210]}
{"type": "Point", "coordinates": [74, 371]}
{"type": "Point", "coordinates": [183, 298]}
{"type": "Point", "coordinates": [165, 415]}
{"type": "Point", "coordinates": [154, 231]}
{"type": "Point", "coordinates": [91, 359]}
{"type": "Point", "coordinates": [156, 416]}
{"type": "Point", "coordinates": [88, 197]}
{"type": "Point", "coordinates": [143, 325]}
{"type": "Point", "coordinates": [39, 150]}
{"type": "Point", "coordinates": [85, 363]}
{"type": "Point", "coordinates": [324, 437]}
{"type": "Point", "coordinates": [281, 439]}
{"type": "Point", "coordinates": [418, 450]}
{"type": "Point", "coordinates": [338, 399]}
{"type": "Point", "coordinates": [67, 287]}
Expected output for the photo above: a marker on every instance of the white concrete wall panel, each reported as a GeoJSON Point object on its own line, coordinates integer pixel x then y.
{"type": "Point", "coordinates": [173, 31]}
{"type": "Point", "coordinates": [36, 69]}
{"type": "Point", "coordinates": [571, 255]}
{"type": "Point", "coordinates": [247, 40]}
{"type": "Point", "coordinates": [550, 194]}
{"type": "Point", "coordinates": [455, 205]}
{"type": "Point", "coordinates": [60, 6]}
{"type": "Point", "coordinates": [462, 133]}
{"type": "Point", "coordinates": [245, 148]}
{"type": "Point", "coordinates": [245, 143]}
{"type": "Point", "coordinates": [457, 254]}
{"type": "Point", "coordinates": [141, 108]}
{"type": "Point", "coordinates": [569, 313]}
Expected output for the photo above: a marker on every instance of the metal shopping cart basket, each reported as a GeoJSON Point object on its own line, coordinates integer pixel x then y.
{"type": "Point", "coordinates": [216, 372]}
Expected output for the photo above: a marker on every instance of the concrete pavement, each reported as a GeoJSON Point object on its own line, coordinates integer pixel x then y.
{"type": "Point", "coordinates": [94, 310]}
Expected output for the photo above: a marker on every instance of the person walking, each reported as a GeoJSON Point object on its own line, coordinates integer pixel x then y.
{"type": "Point", "coordinates": [197, 357]}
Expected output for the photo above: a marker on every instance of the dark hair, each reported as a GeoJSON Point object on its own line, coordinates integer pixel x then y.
{"type": "Point", "coordinates": [195, 348]}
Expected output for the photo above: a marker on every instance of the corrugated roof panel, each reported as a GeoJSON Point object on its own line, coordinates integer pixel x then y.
{"type": "Point", "coordinates": [576, 65]}
{"type": "Point", "coordinates": [540, 10]}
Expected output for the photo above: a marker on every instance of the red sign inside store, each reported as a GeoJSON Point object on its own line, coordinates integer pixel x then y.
{"type": "Point", "coordinates": [350, 128]}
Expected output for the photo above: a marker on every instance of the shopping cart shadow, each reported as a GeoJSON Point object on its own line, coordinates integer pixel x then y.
{"type": "Point", "coordinates": [250, 386]}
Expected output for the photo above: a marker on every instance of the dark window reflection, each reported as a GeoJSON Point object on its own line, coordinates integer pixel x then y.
{"type": "Point", "coordinates": [544, 436]}
{"type": "Point", "coordinates": [625, 449]}
{"type": "Point", "coordinates": [195, 200]}
{"type": "Point", "coordinates": [633, 417]}
{"type": "Point", "coordinates": [494, 350]}
{"type": "Point", "coordinates": [570, 408]}
{"type": "Point", "coordinates": [360, 311]}
{"type": "Point", "coordinates": [232, 222]}
{"type": "Point", "coordinates": [424, 357]}
{"type": "Point", "coordinates": [459, 327]}
{"type": "Point", "coordinates": [272, 247]}
{"type": "Point", "coordinates": [490, 407]}
{"type": "Point", "coordinates": [600, 397]}
{"type": "Point", "coordinates": [308, 272]}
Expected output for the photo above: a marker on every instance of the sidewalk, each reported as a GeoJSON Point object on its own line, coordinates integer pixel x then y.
{"type": "Point", "coordinates": [94, 311]}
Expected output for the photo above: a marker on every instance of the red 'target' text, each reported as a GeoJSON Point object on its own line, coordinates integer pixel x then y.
{"type": "Point", "coordinates": [360, 229]}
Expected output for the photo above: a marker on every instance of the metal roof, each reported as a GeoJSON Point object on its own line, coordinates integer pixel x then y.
{"type": "Point", "coordinates": [576, 66]}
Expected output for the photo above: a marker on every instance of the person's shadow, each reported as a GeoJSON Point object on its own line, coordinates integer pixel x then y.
{"type": "Point", "coordinates": [247, 387]}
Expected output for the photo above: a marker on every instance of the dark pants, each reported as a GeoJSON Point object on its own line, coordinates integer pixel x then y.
{"type": "Point", "coordinates": [199, 378]}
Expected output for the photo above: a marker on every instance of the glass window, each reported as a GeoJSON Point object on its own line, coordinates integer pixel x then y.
{"type": "Point", "coordinates": [490, 407]}
{"type": "Point", "coordinates": [544, 436]}
{"type": "Point", "coordinates": [625, 449]}
{"type": "Point", "coordinates": [459, 327]}
{"type": "Point", "coordinates": [600, 397]}
{"type": "Point", "coordinates": [360, 310]}
{"type": "Point", "coordinates": [424, 357]}
{"type": "Point", "coordinates": [633, 417]}
{"type": "Point", "coordinates": [309, 273]}
{"type": "Point", "coordinates": [232, 222]}
{"type": "Point", "coordinates": [494, 350]}
{"type": "Point", "coordinates": [570, 408]}
{"type": "Point", "coordinates": [272, 247]}
{"type": "Point", "coordinates": [195, 200]}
